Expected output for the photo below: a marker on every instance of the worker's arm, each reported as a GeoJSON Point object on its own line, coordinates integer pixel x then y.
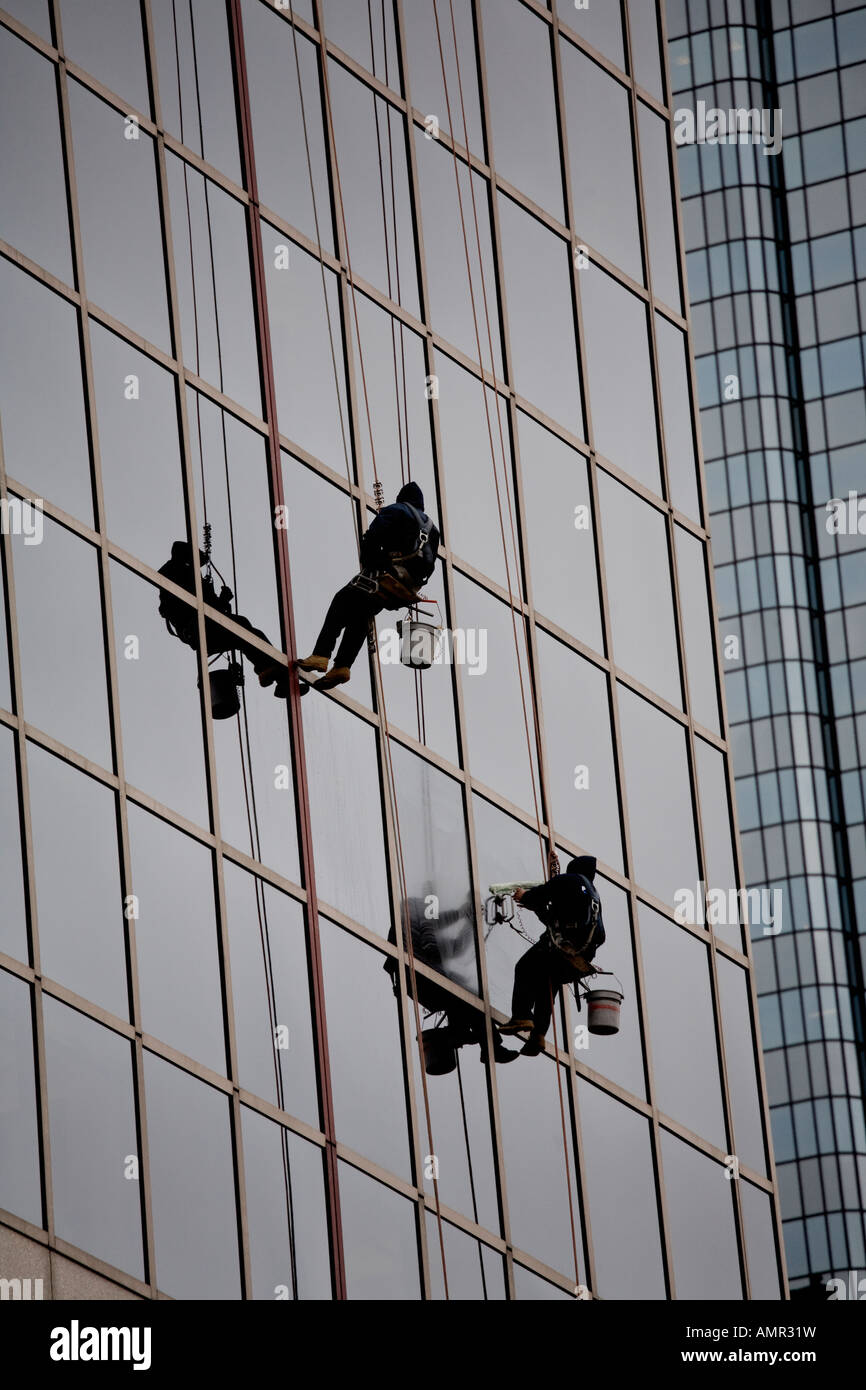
{"type": "Point", "coordinates": [533, 898]}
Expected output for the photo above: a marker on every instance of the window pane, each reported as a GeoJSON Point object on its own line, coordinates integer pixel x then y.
{"type": "Point", "coordinates": [540, 316]}
{"type": "Point", "coordinates": [618, 1166]}
{"type": "Point", "coordinates": [645, 46]}
{"type": "Point", "coordinates": [142, 473]}
{"type": "Point", "coordinates": [192, 1182]}
{"type": "Point", "coordinates": [659, 798]}
{"type": "Point", "coordinates": [78, 891]}
{"type": "Point", "coordinates": [742, 1073]}
{"type": "Point", "coordinates": [578, 734]}
{"type": "Point", "coordinates": [45, 449]}
{"type": "Point", "coordinates": [560, 529]}
{"type": "Point", "coordinates": [269, 955]}
{"type": "Point", "coordinates": [660, 206]}
{"type": "Point", "coordinates": [422, 702]}
{"type": "Point", "coordinates": [176, 940]}
{"type": "Point", "coordinates": [104, 36]}
{"type": "Point", "coordinates": [13, 923]}
{"type": "Point", "coordinates": [366, 1054]}
{"type": "Point", "coordinates": [618, 363]}
{"type": "Point", "coordinates": [760, 1244]}
{"type": "Point", "coordinates": [639, 588]}
{"type": "Point", "coordinates": [379, 1240]}
{"type": "Point", "coordinates": [119, 212]}
{"type": "Point", "coordinates": [285, 1202]}
{"type": "Point", "coordinates": [697, 634]}
{"type": "Point", "coordinates": [57, 596]}
{"type": "Point", "coordinates": [528, 1286]}
{"type": "Point", "coordinates": [619, 1057]}
{"type": "Point", "coordinates": [34, 218]}
{"type": "Point", "coordinates": [94, 1138]}
{"type": "Point", "coordinates": [475, 1272]}
{"type": "Point", "coordinates": [718, 844]}
{"type": "Point", "coordinates": [525, 135]}
{"type": "Point", "coordinates": [200, 47]}
{"type": "Point", "coordinates": [20, 1187]}
{"type": "Point", "coordinates": [464, 1151]}
{"type": "Point", "coordinates": [682, 1032]}
{"type": "Point", "coordinates": [349, 27]}
{"type": "Point", "coordinates": [508, 852]}
{"type": "Point", "coordinates": [33, 13]}
{"type": "Point", "coordinates": [599, 25]}
{"type": "Point", "coordinates": [701, 1218]}
{"type": "Point", "coordinates": [677, 414]}
{"type": "Point", "coordinates": [425, 68]}
{"type": "Point", "coordinates": [602, 167]}
{"type": "Point", "coordinates": [5, 687]}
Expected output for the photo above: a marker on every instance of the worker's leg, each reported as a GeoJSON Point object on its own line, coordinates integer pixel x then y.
{"type": "Point", "coordinates": [530, 979]}
{"type": "Point", "coordinates": [362, 609]}
{"type": "Point", "coordinates": [220, 640]}
{"type": "Point", "coordinates": [342, 608]}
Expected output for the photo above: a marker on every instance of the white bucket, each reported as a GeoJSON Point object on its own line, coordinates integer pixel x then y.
{"type": "Point", "coordinates": [603, 1006]}
{"type": "Point", "coordinates": [419, 643]}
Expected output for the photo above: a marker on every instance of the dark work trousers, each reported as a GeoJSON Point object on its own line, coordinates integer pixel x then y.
{"type": "Point", "coordinates": [541, 971]}
{"type": "Point", "coordinates": [220, 640]}
{"type": "Point", "coordinates": [350, 612]}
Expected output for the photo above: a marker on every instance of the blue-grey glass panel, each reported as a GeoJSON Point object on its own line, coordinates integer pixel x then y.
{"type": "Point", "coordinates": [718, 845]}
{"type": "Point", "coordinates": [159, 703]}
{"type": "Point", "coordinates": [425, 69]}
{"type": "Point", "coordinates": [639, 588]}
{"type": "Point", "coordinates": [659, 795]}
{"type": "Point", "coordinates": [599, 24]}
{"type": "Point", "coordinates": [526, 142]}
{"type": "Point", "coordinates": [5, 682]}
{"type": "Point", "coordinates": [359, 31]}
{"type": "Point", "coordinates": [620, 1056]}
{"type": "Point", "coordinates": [529, 1287]}
{"type": "Point", "coordinates": [760, 1243]}
{"type": "Point", "coordinates": [176, 939]}
{"type": "Point", "coordinates": [20, 1187]}
{"type": "Point", "coordinates": [743, 1084]}
{"type": "Point", "coordinates": [602, 164]}
{"type": "Point", "coordinates": [617, 1158]}
{"type": "Point", "coordinates": [537, 269]}
{"type": "Point", "coordinates": [105, 37]}
{"type": "Point", "coordinates": [285, 1208]}
{"type": "Point", "coordinates": [618, 363]}
{"type": "Point", "coordinates": [78, 890]}
{"type": "Point", "coordinates": [508, 852]}
{"type": "Point", "coordinates": [682, 1034]}
{"type": "Point", "coordinates": [95, 1153]}
{"type": "Point", "coordinates": [45, 449]}
{"type": "Point", "coordinates": [578, 734]}
{"type": "Point", "coordinates": [677, 416]}
{"type": "Point", "coordinates": [560, 531]}
{"type": "Point", "coordinates": [422, 702]}
{"type": "Point", "coordinates": [700, 1219]}
{"type": "Point", "coordinates": [194, 38]}
{"type": "Point", "coordinates": [645, 57]}
{"type": "Point", "coordinates": [118, 209]}
{"type": "Point", "coordinates": [139, 448]}
{"type": "Point", "coordinates": [660, 206]}
{"type": "Point", "coordinates": [461, 1137]}
{"type": "Point", "coordinates": [268, 952]}
{"type": "Point", "coordinates": [57, 595]}
{"type": "Point", "coordinates": [33, 13]}
{"type": "Point", "coordinates": [13, 923]}
{"type": "Point", "coordinates": [33, 217]}
{"type": "Point", "coordinates": [697, 632]}
{"type": "Point", "coordinates": [194, 1211]}
{"type": "Point", "coordinates": [366, 1055]}
{"type": "Point", "coordinates": [475, 1272]}
{"type": "Point", "coordinates": [379, 1240]}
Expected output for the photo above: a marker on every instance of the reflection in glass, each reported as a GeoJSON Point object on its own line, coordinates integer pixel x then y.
{"type": "Point", "coordinates": [379, 1240]}
{"type": "Point", "coordinates": [192, 1182]}
{"type": "Point", "coordinates": [105, 38]}
{"type": "Point", "coordinates": [618, 363]}
{"type": "Point", "coordinates": [421, 702]}
{"type": "Point", "coordinates": [508, 852]}
{"type": "Point", "coordinates": [94, 1138]}
{"type": "Point", "coordinates": [20, 1187]}
{"type": "Point", "coordinates": [681, 1028]}
{"type": "Point", "coordinates": [34, 218]}
{"type": "Point", "coordinates": [464, 1149]}
{"type": "Point", "coordinates": [176, 939]}
{"type": "Point", "coordinates": [13, 921]}
{"type": "Point", "coordinates": [286, 1215]}
{"type": "Point", "coordinates": [78, 891]}
{"type": "Point", "coordinates": [661, 815]}
{"type": "Point", "coordinates": [618, 1166]}
{"type": "Point", "coordinates": [701, 1219]}
{"type": "Point", "coordinates": [57, 595]}
{"type": "Point", "coordinates": [45, 449]}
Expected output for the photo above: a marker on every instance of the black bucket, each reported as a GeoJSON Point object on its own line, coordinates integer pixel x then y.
{"type": "Point", "coordinates": [225, 701]}
{"type": "Point", "coordinates": [439, 1055]}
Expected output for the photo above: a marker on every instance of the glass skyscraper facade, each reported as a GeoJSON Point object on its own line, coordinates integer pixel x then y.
{"type": "Point", "coordinates": [776, 248]}
{"type": "Point", "coordinates": [246, 270]}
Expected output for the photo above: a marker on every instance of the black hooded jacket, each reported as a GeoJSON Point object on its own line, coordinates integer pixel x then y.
{"type": "Point", "coordinates": [394, 534]}
{"type": "Point", "coordinates": [564, 901]}
{"type": "Point", "coordinates": [180, 569]}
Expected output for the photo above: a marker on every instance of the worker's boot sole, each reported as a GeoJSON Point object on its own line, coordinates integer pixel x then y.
{"type": "Point", "coordinates": [533, 1047]}
{"type": "Point", "coordinates": [515, 1025]}
{"type": "Point", "coordinates": [338, 675]}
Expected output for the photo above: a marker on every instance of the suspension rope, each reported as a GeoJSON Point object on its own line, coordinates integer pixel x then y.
{"type": "Point", "coordinates": [471, 1175]}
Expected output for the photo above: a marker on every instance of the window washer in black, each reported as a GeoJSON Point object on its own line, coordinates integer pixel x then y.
{"type": "Point", "coordinates": [570, 908]}
{"type": "Point", "coordinates": [182, 623]}
{"type": "Point", "coordinates": [398, 556]}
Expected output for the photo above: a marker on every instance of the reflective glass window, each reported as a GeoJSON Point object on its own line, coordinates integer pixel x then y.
{"type": "Point", "coordinates": [701, 1219]}
{"type": "Point", "coordinates": [645, 57]}
{"type": "Point", "coordinates": [57, 595]}
{"type": "Point", "coordinates": [618, 1166]}
{"type": "Point", "coordinates": [718, 845]}
{"type": "Point", "coordinates": [682, 1033]}
{"type": "Point", "coordinates": [660, 205]}
{"type": "Point", "coordinates": [45, 449]}
{"type": "Point", "coordinates": [618, 364]}
{"type": "Point", "coordinates": [619, 1057]}
{"type": "Point", "coordinates": [467, 1179]}
{"type": "Point", "coordinates": [78, 891]}
{"type": "Point", "coordinates": [529, 1287]}
{"type": "Point", "coordinates": [639, 588]}
{"type": "Point", "coordinates": [286, 1215]}
{"type": "Point", "coordinates": [677, 415]}
{"type": "Point", "coordinates": [602, 161]}
{"type": "Point", "coordinates": [540, 316]}
{"type": "Point", "coordinates": [760, 1243]}
{"type": "Point", "coordinates": [659, 796]}
{"type": "Point", "coordinates": [176, 939]}
{"type": "Point", "coordinates": [119, 212]}
{"type": "Point", "coordinates": [578, 733]}
{"type": "Point", "coordinates": [195, 38]}
{"type": "Point", "coordinates": [5, 685]}
{"type": "Point", "coordinates": [13, 923]}
{"type": "Point", "coordinates": [475, 1272]}
{"type": "Point", "coordinates": [508, 852]}
{"type": "Point", "coordinates": [380, 1240]}
{"type": "Point", "coordinates": [34, 218]}
{"type": "Point", "coordinates": [359, 31]}
{"type": "Point", "coordinates": [425, 68]}
{"type": "Point", "coordinates": [33, 13]}
{"type": "Point", "coordinates": [20, 1187]}
{"type": "Point", "coordinates": [192, 1184]}
{"type": "Point", "coordinates": [94, 1138]}
{"type": "Point", "coordinates": [105, 37]}
{"type": "Point", "coordinates": [697, 632]}
{"type": "Point", "coordinates": [599, 25]}
{"type": "Point", "coordinates": [742, 1071]}
{"type": "Point", "coordinates": [422, 702]}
